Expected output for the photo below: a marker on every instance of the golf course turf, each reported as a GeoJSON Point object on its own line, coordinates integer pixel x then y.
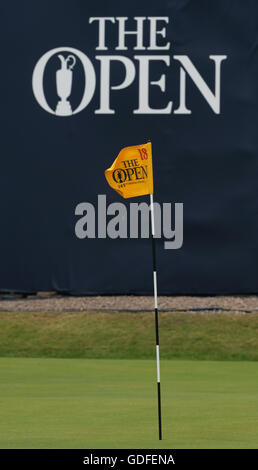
{"type": "Point", "coordinates": [88, 380]}
{"type": "Point", "coordinates": [120, 335]}
{"type": "Point", "coordinates": [98, 403]}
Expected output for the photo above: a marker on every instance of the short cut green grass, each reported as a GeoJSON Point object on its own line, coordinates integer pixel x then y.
{"type": "Point", "coordinates": [96, 403]}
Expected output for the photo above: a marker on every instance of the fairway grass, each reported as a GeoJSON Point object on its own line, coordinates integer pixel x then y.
{"type": "Point", "coordinates": [96, 403]}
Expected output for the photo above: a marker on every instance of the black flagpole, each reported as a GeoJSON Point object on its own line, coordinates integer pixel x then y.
{"type": "Point", "coordinates": [156, 311]}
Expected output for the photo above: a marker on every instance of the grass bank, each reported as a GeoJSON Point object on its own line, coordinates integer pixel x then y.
{"type": "Point", "coordinates": [129, 335]}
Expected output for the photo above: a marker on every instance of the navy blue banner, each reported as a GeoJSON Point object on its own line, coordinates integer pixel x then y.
{"type": "Point", "coordinates": [82, 80]}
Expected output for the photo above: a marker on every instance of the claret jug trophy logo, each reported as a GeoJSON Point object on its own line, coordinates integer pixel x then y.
{"type": "Point", "coordinates": [64, 79]}
{"type": "Point", "coordinates": [68, 58]}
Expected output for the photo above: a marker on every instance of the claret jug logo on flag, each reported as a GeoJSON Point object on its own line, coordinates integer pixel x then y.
{"type": "Point", "coordinates": [131, 173]}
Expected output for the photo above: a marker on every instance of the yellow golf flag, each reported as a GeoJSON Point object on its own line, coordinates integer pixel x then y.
{"type": "Point", "coordinates": [131, 173]}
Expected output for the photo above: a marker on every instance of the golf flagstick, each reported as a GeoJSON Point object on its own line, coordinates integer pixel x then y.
{"type": "Point", "coordinates": [156, 310]}
{"type": "Point", "coordinates": [131, 175]}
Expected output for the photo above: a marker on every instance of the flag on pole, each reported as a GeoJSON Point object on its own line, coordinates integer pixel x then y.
{"type": "Point", "coordinates": [131, 173]}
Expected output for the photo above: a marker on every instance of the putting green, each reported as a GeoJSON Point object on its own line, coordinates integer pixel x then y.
{"type": "Point", "coordinates": [89, 403]}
